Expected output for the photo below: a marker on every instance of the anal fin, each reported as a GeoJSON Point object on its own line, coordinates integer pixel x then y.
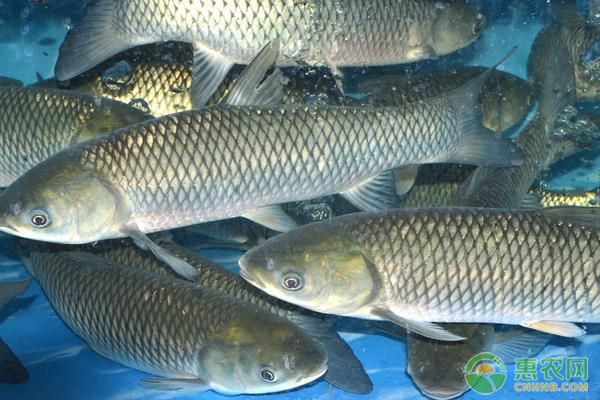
{"type": "Point", "coordinates": [560, 328]}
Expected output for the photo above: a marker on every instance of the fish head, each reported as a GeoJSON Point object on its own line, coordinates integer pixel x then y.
{"type": "Point", "coordinates": [455, 26]}
{"type": "Point", "coordinates": [506, 100]}
{"type": "Point", "coordinates": [438, 383]}
{"type": "Point", "coordinates": [58, 201]}
{"type": "Point", "coordinates": [258, 352]}
{"type": "Point", "coordinates": [317, 266]}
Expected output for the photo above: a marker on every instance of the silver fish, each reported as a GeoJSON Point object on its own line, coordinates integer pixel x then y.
{"type": "Point", "coordinates": [193, 337]}
{"type": "Point", "coordinates": [539, 269]}
{"type": "Point", "coordinates": [226, 161]}
{"type": "Point", "coordinates": [332, 33]}
{"type": "Point", "coordinates": [344, 369]}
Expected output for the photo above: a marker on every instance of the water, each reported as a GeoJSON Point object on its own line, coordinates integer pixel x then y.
{"type": "Point", "coordinates": [62, 366]}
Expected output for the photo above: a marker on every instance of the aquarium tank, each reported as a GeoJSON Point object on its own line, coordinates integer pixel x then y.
{"type": "Point", "coordinates": [299, 199]}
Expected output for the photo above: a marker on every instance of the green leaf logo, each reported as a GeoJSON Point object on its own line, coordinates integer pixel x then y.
{"type": "Point", "coordinates": [486, 373]}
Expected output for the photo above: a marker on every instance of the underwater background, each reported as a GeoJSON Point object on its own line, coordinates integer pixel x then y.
{"type": "Point", "coordinates": [62, 366]}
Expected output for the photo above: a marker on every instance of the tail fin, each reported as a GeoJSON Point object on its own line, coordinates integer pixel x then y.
{"type": "Point", "coordinates": [477, 144]}
{"type": "Point", "coordinates": [11, 369]}
{"type": "Point", "coordinates": [344, 370]}
{"type": "Point", "coordinates": [92, 41]}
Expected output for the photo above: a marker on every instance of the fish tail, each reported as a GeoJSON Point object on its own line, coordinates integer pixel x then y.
{"type": "Point", "coordinates": [344, 369]}
{"type": "Point", "coordinates": [91, 42]}
{"type": "Point", "coordinates": [478, 145]}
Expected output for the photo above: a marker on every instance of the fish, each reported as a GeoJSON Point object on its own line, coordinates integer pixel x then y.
{"type": "Point", "coordinates": [569, 29]}
{"type": "Point", "coordinates": [417, 267]}
{"type": "Point", "coordinates": [37, 123]}
{"type": "Point", "coordinates": [11, 368]}
{"type": "Point", "coordinates": [330, 33]}
{"type": "Point", "coordinates": [236, 159]}
{"type": "Point", "coordinates": [344, 369]}
{"type": "Point", "coordinates": [192, 337]}
{"type": "Point", "coordinates": [438, 368]}
{"type": "Point", "coordinates": [505, 99]}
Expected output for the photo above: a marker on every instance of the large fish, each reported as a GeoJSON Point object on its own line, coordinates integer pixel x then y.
{"type": "Point", "coordinates": [226, 161]}
{"type": "Point", "coordinates": [539, 269]}
{"type": "Point", "coordinates": [11, 368]}
{"type": "Point", "coordinates": [433, 364]}
{"type": "Point", "coordinates": [332, 33]}
{"type": "Point", "coordinates": [37, 123]}
{"type": "Point", "coordinates": [193, 337]}
{"type": "Point", "coordinates": [344, 369]}
{"type": "Point", "coordinates": [504, 99]}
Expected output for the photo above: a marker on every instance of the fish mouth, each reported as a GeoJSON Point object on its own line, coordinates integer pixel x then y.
{"type": "Point", "coordinates": [247, 277]}
{"type": "Point", "coordinates": [305, 380]}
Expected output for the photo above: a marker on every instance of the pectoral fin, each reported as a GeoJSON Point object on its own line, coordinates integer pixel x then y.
{"type": "Point", "coordinates": [376, 193]}
{"type": "Point", "coordinates": [180, 266]}
{"type": "Point", "coordinates": [273, 217]}
{"type": "Point", "coordinates": [169, 384]}
{"type": "Point", "coordinates": [566, 329]}
{"type": "Point", "coordinates": [427, 329]}
{"type": "Point", "coordinates": [209, 70]}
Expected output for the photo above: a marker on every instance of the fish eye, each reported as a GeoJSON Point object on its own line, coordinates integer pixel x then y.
{"type": "Point", "coordinates": [478, 26]}
{"type": "Point", "coordinates": [291, 281]}
{"type": "Point", "coordinates": [267, 375]}
{"type": "Point", "coordinates": [530, 99]}
{"type": "Point", "coordinates": [39, 218]}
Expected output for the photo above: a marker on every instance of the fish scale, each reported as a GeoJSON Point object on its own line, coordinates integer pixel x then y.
{"type": "Point", "coordinates": [114, 319]}
{"type": "Point", "coordinates": [174, 170]}
{"type": "Point", "coordinates": [490, 266]}
{"type": "Point", "coordinates": [212, 22]}
{"type": "Point", "coordinates": [26, 115]}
